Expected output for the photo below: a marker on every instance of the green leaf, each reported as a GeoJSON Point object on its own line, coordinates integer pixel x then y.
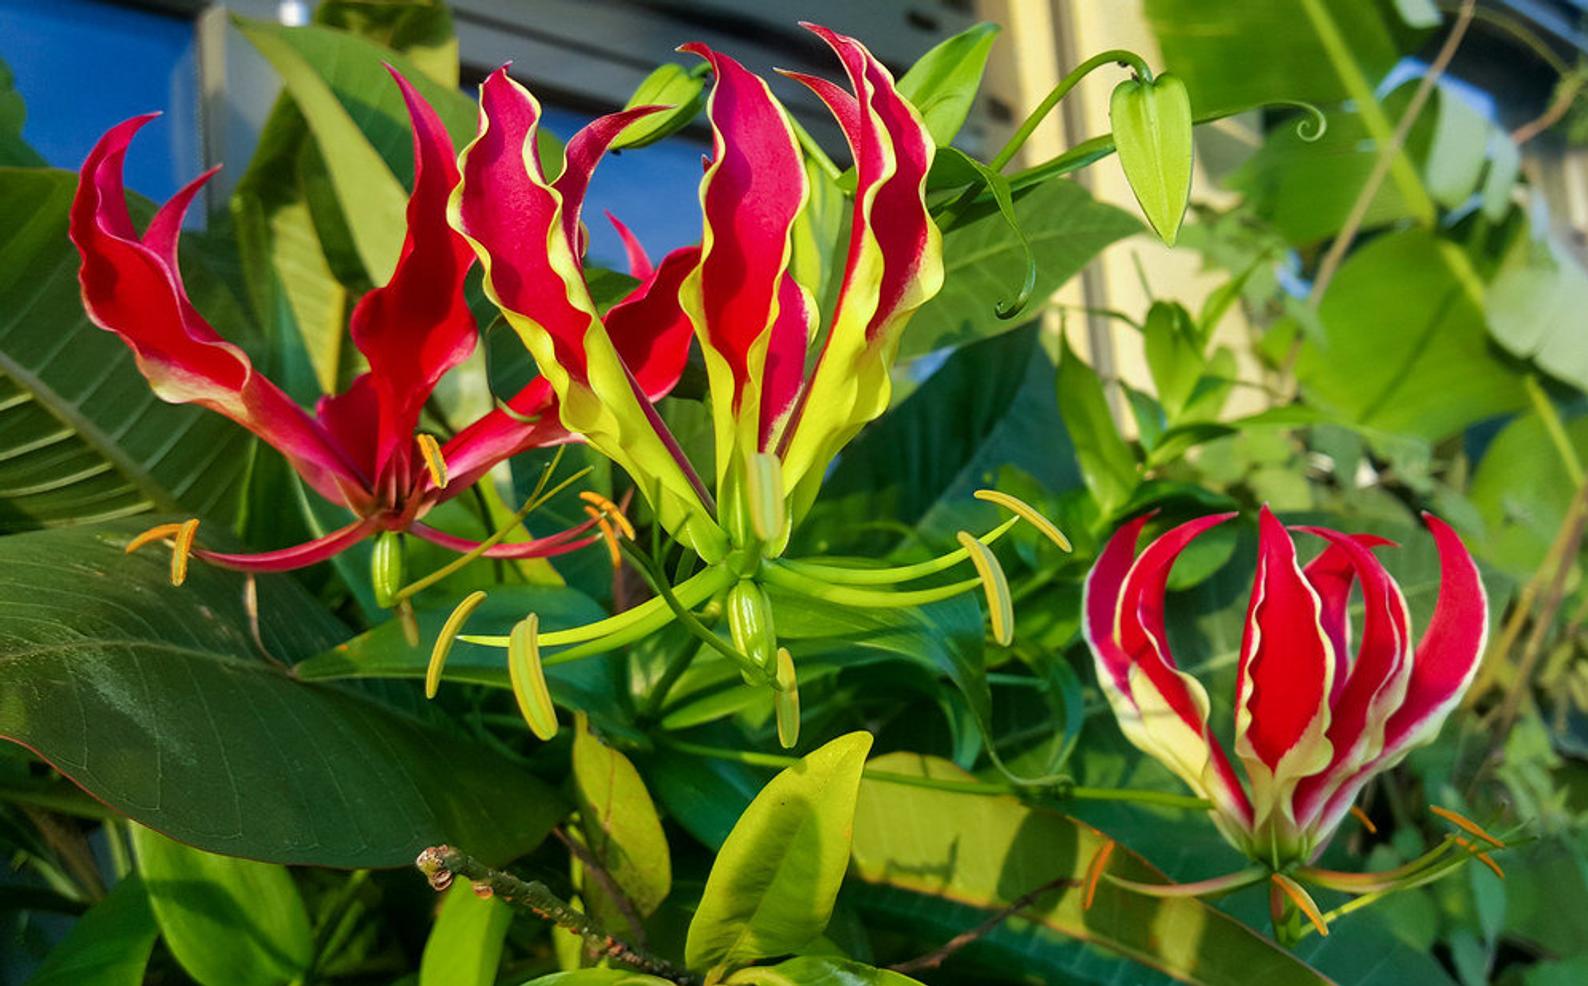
{"type": "Point", "coordinates": [465, 944]}
{"type": "Point", "coordinates": [942, 83]}
{"type": "Point", "coordinates": [1107, 464]}
{"type": "Point", "coordinates": [82, 437]}
{"type": "Point", "coordinates": [941, 859]}
{"type": "Point", "coordinates": [158, 702]}
{"type": "Point", "coordinates": [772, 886]}
{"type": "Point", "coordinates": [108, 946]}
{"type": "Point", "coordinates": [1535, 308]}
{"type": "Point", "coordinates": [818, 970]}
{"type": "Point", "coordinates": [1522, 491]}
{"type": "Point", "coordinates": [998, 186]}
{"type": "Point", "coordinates": [1174, 355]}
{"type": "Point", "coordinates": [1239, 54]}
{"type": "Point", "coordinates": [669, 84]}
{"type": "Point", "coordinates": [1437, 372]}
{"type": "Point", "coordinates": [228, 921]}
{"type": "Point", "coordinates": [621, 830]}
{"type": "Point", "coordinates": [420, 29]}
{"type": "Point", "coordinates": [1064, 227]}
{"type": "Point", "coordinates": [1151, 122]}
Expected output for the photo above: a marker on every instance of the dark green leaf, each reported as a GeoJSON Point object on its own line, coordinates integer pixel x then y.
{"type": "Point", "coordinates": [108, 946]}
{"type": "Point", "coordinates": [82, 437]}
{"type": "Point", "coordinates": [158, 701]}
{"type": "Point", "coordinates": [1107, 464]}
{"type": "Point", "coordinates": [1065, 228]}
{"type": "Point", "coordinates": [956, 856]}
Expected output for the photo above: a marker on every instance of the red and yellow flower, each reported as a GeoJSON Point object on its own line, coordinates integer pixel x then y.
{"type": "Point", "coordinates": [358, 448]}
{"type": "Point", "coordinates": [1314, 722]}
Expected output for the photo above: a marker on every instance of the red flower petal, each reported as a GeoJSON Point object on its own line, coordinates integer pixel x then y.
{"type": "Point", "coordinates": [133, 287]}
{"type": "Point", "coordinates": [640, 266]}
{"type": "Point", "coordinates": [418, 326]}
{"type": "Point", "coordinates": [298, 556]}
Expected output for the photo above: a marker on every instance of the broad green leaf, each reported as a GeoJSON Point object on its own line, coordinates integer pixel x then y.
{"type": "Point", "coordinates": [160, 702]}
{"type": "Point", "coordinates": [818, 970]}
{"type": "Point", "coordinates": [1522, 490]}
{"type": "Point", "coordinates": [621, 830]}
{"type": "Point", "coordinates": [1151, 122]}
{"type": "Point", "coordinates": [1064, 226]}
{"type": "Point", "coordinates": [1107, 464]}
{"type": "Point", "coordinates": [1436, 372]}
{"type": "Point", "coordinates": [669, 84]}
{"type": "Point", "coordinates": [228, 921]}
{"type": "Point", "coordinates": [773, 883]}
{"type": "Point", "coordinates": [942, 83]}
{"type": "Point", "coordinates": [970, 855]}
{"type": "Point", "coordinates": [1242, 53]}
{"type": "Point", "coordinates": [108, 946]}
{"type": "Point", "coordinates": [370, 195]}
{"type": "Point", "coordinates": [1535, 308]}
{"type": "Point", "coordinates": [14, 151]}
{"type": "Point", "coordinates": [82, 437]}
{"type": "Point", "coordinates": [998, 187]}
{"type": "Point", "coordinates": [420, 29]}
{"type": "Point", "coordinates": [465, 943]}
{"type": "Point", "coordinates": [1174, 355]}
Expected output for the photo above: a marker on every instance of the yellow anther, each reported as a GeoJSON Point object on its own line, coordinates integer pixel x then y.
{"type": "Point", "coordinates": [1303, 901]}
{"type": "Point", "coordinates": [529, 678]}
{"type": "Point", "coordinates": [1094, 872]}
{"type": "Point", "coordinates": [159, 532]}
{"type": "Point", "coordinates": [449, 635]}
{"type": "Point", "coordinates": [787, 701]}
{"type": "Point", "coordinates": [764, 482]}
{"type": "Point", "coordinates": [1367, 822]}
{"type": "Point", "coordinates": [1000, 605]}
{"type": "Point", "coordinates": [431, 450]}
{"type": "Point", "coordinates": [181, 548]}
{"type": "Point", "coordinates": [1466, 824]}
{"type": "Point", "coordinates": [1482, 857]}
{"type": "Point", "coordinates": [612, 511]}
{"type": "Point", "coordinates": [608, 534]}
{"type": "Point", "coordinates": [1027, 513]}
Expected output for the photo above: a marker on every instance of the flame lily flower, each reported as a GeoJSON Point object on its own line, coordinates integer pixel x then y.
{"type": "Point", "coordinates": [359, 447]}
{"type": "Point", "coordinates": [783, 404]}
{"type": "Point", "coordinates": [1314, 722]}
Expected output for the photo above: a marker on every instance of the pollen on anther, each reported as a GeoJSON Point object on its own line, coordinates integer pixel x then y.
{"type": "Point", "coordinates": [610, 510]}
{"type": "Point", "coordinates": [182, 548]}
{"type": "Point", "coordinates": [431, 450]}
{"type": "Point", "coordinates": [448, 636]}
{"type": "Point", "coordinates": [608, 535]}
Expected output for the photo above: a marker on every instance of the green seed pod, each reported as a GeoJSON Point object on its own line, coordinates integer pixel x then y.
{"type": "Point", "coordinates": [1152, 133]}
{"type": "Point", "coordinates": [750, 623]}
{"type": "Point", "coordinates": [386, 568]}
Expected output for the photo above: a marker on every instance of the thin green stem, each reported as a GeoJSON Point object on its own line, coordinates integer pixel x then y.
{"type": "Point", "coordinates": [778, 574]}
{"type": "Point", "coordinates": [685, 617]}
{"type": "Point", "coordinates": [1200, 888]}
{"type": "Point", "coordinates": [841, 575]}
{"type": "Point", "coordinates": [1163, 799]}
{"type": "Point", "coordinates": [1034, 119]}
{"type": "Point", "coordinates": [692, 592]}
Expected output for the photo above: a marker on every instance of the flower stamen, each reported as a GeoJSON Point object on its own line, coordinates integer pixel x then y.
{"type": "Point", "coordinates": [447, 637]}
{"type": "Point", "coordinates": [1000, 605]}
{"type": "Point", "coordinates": [529, 678]}
{"type": "Point", "coordinates": [1467, 825]}
{"type": "Point", "coordinates": [608, 535]}
{"type": "Point", "coordinates": [431, 450]}
{"type": "Point", "coordinates": [1362, 817]}
{"type": "Point", "coordinates": [1303, 902]}
{"type": "Point", "coordinates": [1482, 857]}
{"type": "Point", "coordinates": [1027, 513]}
{"type": "Point", "coordinates": [1094, 872]}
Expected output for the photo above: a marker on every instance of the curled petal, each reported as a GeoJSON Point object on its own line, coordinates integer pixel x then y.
{"type": "Point", "coordinates": [418, 326]}
{"type": "Point", "coordinates": [752, 191]}
{"type": "Point", "coordinates": [1283, 681]}
{"type": "Point", "coordinates": [640, 266]}
{"type": "Point", "coordinates": [1160, 709]}
{"type": "Point", "coordinates": [298, 556]}
{"type": "Point", "coordinates": [529, 421]}
{"type": "Point", "coordinates": [1375, 681]}
{"type": "Point", "coordinates": [132, 286]}
{"type": "Point", "coordinates": [582, 155]}
{"type": "Point", "coordinates": [894, 264]}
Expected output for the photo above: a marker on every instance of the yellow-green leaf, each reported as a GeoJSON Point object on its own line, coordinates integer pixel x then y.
{"type": "Point", "coordinates": [621, 829]}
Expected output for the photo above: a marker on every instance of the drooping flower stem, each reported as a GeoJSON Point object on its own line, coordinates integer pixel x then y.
{"type": "Point", "coordinates": [1120, 56]}
{"type": "Point", "coordinates": [441, 864]}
